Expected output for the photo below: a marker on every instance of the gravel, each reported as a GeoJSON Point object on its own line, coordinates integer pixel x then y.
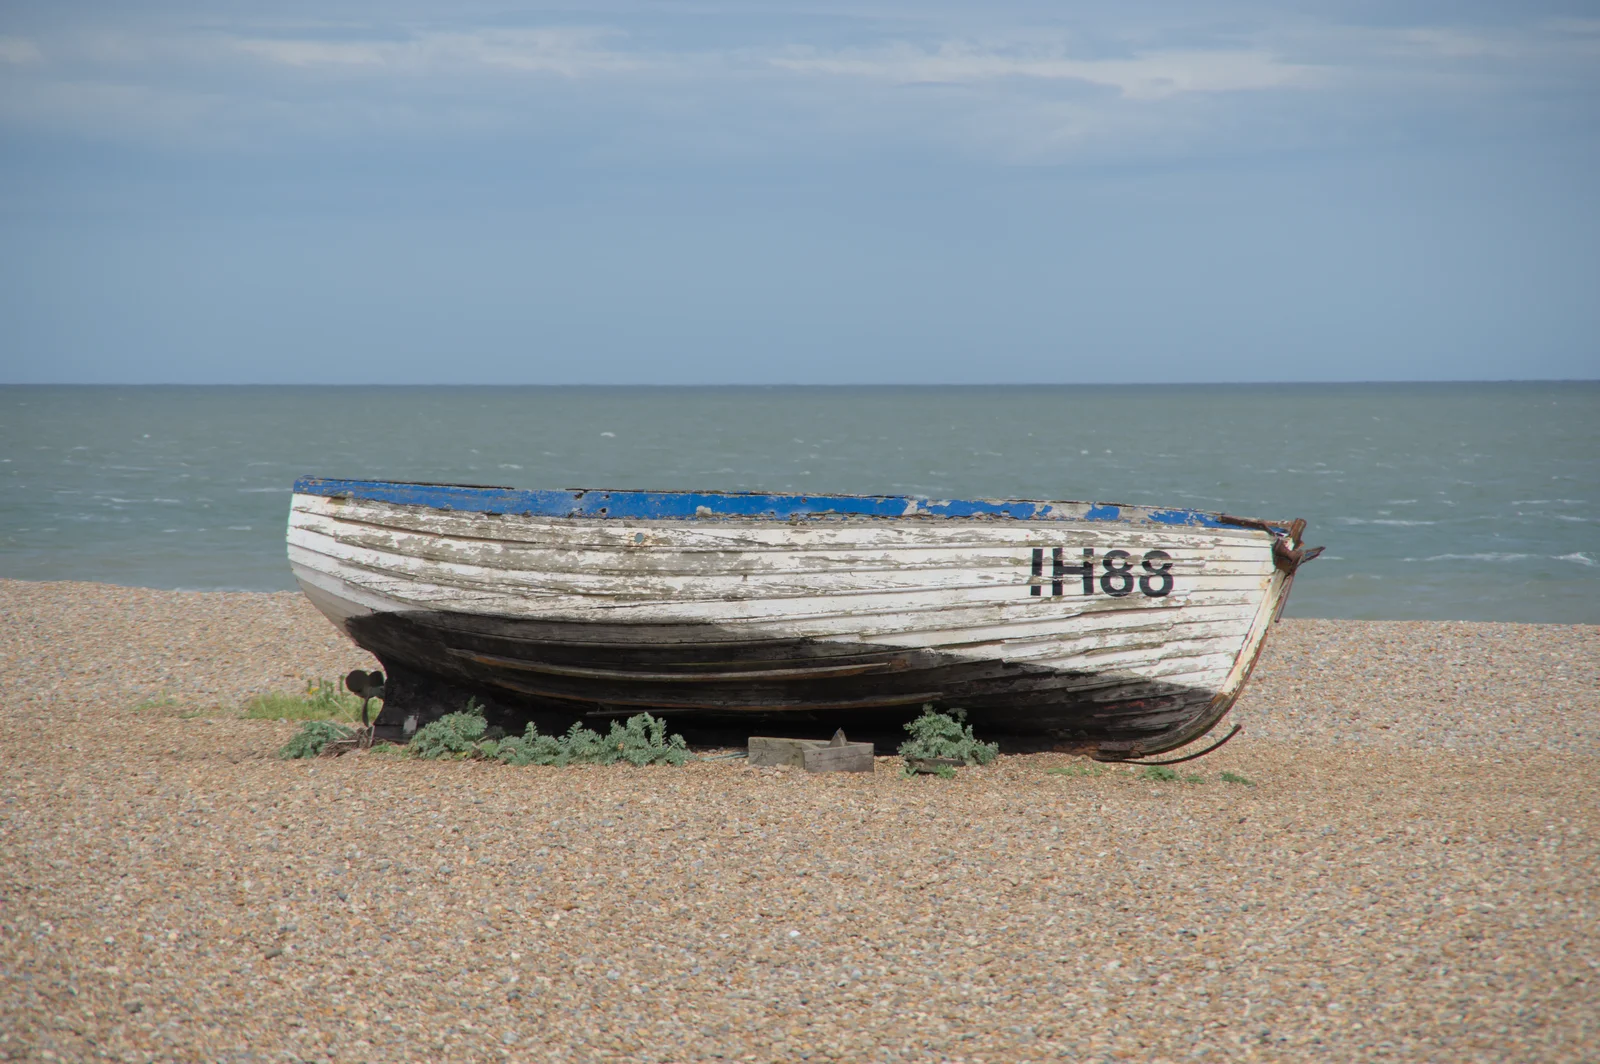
{"type": "Point", "coordinates": [1412, 874]}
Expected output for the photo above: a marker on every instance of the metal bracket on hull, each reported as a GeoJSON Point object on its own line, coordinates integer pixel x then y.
{"type": "Point", "coordinates": [1285, 558]}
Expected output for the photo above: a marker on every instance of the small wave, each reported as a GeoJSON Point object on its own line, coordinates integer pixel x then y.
{"type": "Point", "coordinates": [1570, 517]}
{"type": "Point", "coordinates": [258, 491]}
{"type": "Point", "coordinates": [1576, 557]}
{"type": "Point", "coordinates": [1380, 521]}
{"type": "Point", "coordinates": [1547, 502]}
{"type": "Point", "coordinates": [240, 528]}
{"type": "Point", "coordinates": [1400, 502]}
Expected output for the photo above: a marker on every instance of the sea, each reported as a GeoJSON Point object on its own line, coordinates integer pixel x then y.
{"type": "Point", "coordinates": [1465, 501]}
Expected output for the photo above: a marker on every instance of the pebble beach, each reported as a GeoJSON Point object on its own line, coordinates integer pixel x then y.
{"type": "Point", "coordinates": [1404, 865]}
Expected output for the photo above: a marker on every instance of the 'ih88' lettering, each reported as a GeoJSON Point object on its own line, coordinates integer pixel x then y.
{"type": "Point", "coordinates": [1115, 575]}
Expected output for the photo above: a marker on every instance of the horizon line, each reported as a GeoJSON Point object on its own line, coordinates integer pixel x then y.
{"type": "Point", "coordinates": [788, 384]}
{"type": "Point", "coordinates": [794, 384]}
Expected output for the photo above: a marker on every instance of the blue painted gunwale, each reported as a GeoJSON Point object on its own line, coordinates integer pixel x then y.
{"type": "Point", "coordinates": [703, 505]}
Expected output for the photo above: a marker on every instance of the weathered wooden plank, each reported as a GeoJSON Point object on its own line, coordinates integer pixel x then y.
{"type": "Point", "coordinates": [846, 757]}
{"type": "Point", "coordinates": [626, 587]}
{"type": "Point", "coordinates": [865, 614]}
{"type": "Point", "coordinates": [595, 571]}
{"type": "Point", "coordinates": [768, 751]}
{"type": "Point", "coordinates": [972, 625]}
{"type": "Point", "coordinates": [885, 615]}
{"type": "Point", "coordinates": [669, 551]}
{"type": "Point", "coordinates": [813, 755]}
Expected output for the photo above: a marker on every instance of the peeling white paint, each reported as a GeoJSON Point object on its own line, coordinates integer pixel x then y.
{"type": "Point", "coordinates": [957, 585]}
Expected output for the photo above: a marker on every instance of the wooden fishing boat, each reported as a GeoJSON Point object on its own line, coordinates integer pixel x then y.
{"type": "Point", "coordinates": [1117, 630]}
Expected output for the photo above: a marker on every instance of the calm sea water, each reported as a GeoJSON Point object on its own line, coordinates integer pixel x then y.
{"type": "Point", "coordinates": [1446, 501]}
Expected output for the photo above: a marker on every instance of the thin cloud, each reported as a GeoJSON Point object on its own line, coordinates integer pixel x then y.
{"type": "Point", "coordinates": [1149, 76]}
{"type": "Point", "coordinates": [1556, 40]}
{"type": "Point", "coordinates": [19, 51]}
{"type": "Point", "coordinates": [567, 52]}
{"type": "Point", "coordinates": [1526, 53]}
{"type": "Point", "coordinates": [633, 90]}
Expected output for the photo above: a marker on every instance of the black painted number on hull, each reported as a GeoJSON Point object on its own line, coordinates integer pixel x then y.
{"type": "Point", "coordinates": [1114, 575]}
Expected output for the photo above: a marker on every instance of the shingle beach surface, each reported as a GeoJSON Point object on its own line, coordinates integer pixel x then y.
{"type": "Point", "coordinates": [1413, 875]}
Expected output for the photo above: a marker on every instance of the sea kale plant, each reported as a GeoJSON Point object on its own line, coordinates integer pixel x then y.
{"type": "Point", "coordinates": [452, 735]}
{"type": "Point", "coordinates": [946, 736]}
{"type": "Point", "coordinates": [642, 740]}
{"type": "Point", "coordinates": [312, 737]}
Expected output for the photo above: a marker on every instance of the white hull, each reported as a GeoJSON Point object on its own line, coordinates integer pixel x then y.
{"type": "Point", "coordinates": [1163, 649]}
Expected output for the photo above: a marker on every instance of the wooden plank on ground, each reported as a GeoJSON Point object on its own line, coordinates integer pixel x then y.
{"type": "Point", "coordinates": [850, 757]}
{"type": "Point", "coordinates": [771, 751]}
{"type": "Point", "coordinates": [813, 755]}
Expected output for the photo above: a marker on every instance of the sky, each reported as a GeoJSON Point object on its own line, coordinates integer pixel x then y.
{"type": "Point", "coordinates": [884, 191]}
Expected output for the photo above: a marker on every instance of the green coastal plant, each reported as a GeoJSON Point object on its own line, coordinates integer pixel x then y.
{"type": "Point", "coordinates": [312, 737]}
{"type": "Point", "coordinates": [452, 735]}
{"type": "Point", "coordinates": [641, 740]}
{"type": "Point", "coordinates": [1234, 777]}
{"type": "Point", "coordinates": [1161, 774]}
{"type": "Point", "coordinates": [944, 737]}
{"type": "Point", "coordinates": [321, 700]}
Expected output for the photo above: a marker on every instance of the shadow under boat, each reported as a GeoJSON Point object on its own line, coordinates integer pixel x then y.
{"type": "Point", "coordinates": [719, 685]}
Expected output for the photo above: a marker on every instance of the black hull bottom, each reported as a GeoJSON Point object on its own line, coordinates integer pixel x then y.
{"type": "Point", "coordinates": [721, 685]}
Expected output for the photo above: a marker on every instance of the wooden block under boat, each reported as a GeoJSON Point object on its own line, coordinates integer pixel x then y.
{"type": "Point", "coordinates": [850, 757]}
{"type": "Point", "coordinates": [813, 755]}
